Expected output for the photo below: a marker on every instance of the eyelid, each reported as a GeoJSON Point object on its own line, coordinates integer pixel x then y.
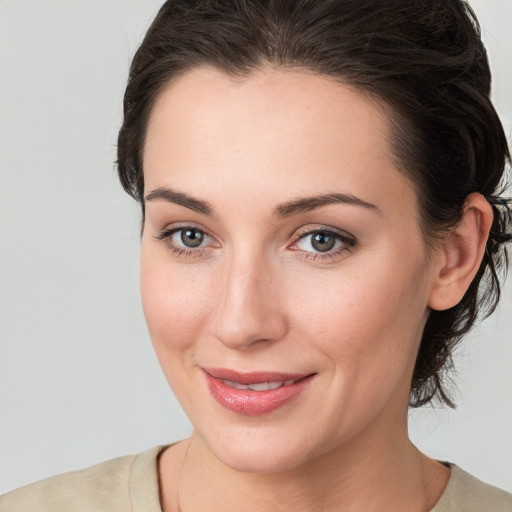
{"type": "Point", "coordinates": [308, 230]}
{"type": "Point", "coordinates": [348, 241]}
{"type": "Point", "coordinates": [177, 226]}
{"type": "Point", "coordinates": [166, 234]}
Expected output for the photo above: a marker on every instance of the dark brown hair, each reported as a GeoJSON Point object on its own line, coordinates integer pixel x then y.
{"type": "Point", "coordinates": [423, 59]}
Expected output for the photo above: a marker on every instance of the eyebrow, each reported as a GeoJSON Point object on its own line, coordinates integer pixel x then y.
{"type": "Point", "coordinates": [307, 204]}
{"type": "Point", "coordinates": [173, 196]}
{"type": "Point", "coordinates": [287, 209]}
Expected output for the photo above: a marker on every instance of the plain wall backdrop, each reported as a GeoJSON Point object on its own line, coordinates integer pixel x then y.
{"type": "Point", "coordinates": [79, 382]}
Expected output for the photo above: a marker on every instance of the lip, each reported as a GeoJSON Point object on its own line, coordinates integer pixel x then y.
{"type": "Point", "coordinates": [250, 402]}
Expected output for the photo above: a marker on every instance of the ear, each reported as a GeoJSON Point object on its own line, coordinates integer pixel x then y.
{"type": "Point", "coordinates": [461, 253]}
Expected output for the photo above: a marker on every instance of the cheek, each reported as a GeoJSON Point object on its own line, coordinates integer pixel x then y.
{"type": "Point", "coordinates": [174, 303]}
{"type": "Point", "coordinates": [368, 323]}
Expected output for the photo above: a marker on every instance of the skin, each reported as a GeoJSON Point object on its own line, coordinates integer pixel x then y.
{"type": "Point", "coordinates": [257, 296]}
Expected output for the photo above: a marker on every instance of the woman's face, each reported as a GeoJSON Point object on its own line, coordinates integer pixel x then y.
{"type": "Point", "coordinates": [281, 244]}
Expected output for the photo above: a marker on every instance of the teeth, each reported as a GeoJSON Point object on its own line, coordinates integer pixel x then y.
{"type": "Point", "coordinates": [260, 386]}
{"type": "Point", "coordinates": [235, 385]}
{"type": "Point", "coordinates": [265, 386]}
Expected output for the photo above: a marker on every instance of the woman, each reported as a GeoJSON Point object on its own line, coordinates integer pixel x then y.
{"type": "Point", "coordinates": [320, 186]}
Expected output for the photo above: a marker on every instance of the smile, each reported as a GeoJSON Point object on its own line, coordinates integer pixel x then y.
{"type": "Point", "coordinates": [260, 386]}
{"type": "Point", "coordinates": [254, 393]}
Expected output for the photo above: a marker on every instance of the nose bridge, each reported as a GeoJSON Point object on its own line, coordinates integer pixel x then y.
{"type": "Point", "coordinates": [248, 309]}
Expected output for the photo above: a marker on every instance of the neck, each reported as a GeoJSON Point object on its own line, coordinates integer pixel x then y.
{"type": "Point", "coordinates": [365, 475]}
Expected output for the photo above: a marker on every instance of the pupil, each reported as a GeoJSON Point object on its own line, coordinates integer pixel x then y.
{"type": "Point", "coordinates": [323, 242]}
{"type": "Point", "coordinates": [192, 237]}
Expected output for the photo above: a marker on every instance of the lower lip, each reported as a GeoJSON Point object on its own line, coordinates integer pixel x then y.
{"type": "Point", "coordinates": [251, 402]}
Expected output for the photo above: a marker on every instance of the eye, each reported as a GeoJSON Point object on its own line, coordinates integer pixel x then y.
{"type": "Point", "coordinates": [322, 243]}
{"type": "Point", "coordinates": [189, 237]}
{"type": "Point", "coordinates": [186, 240]}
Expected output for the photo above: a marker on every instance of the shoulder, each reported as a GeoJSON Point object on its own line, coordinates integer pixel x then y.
{"type": "Point", "coordinates": [465, 493]}
{"type": "Point", "coordinates": [126, 483]}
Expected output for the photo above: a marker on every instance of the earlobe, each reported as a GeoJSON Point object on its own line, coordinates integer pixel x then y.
{"type": "Point", "coordinates": [461, 254]}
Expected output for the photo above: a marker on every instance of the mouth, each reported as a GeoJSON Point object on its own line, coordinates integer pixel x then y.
{"type": "Point", "coordinates": [255, 392]}
{"type": "Point", "coordinates": [259, 386]}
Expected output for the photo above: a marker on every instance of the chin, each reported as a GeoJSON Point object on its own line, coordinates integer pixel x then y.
{"type": "Point", "coordinates": [254, 451]}
{"type": "Point", "coordinates": [251, 461]}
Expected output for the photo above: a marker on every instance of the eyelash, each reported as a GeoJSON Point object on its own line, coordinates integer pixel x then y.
{"type": "Point", "coordinates": [166, 237]}
{"type": "Point", "coordinates": [348, 242]}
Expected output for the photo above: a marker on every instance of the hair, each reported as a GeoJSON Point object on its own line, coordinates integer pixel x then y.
{"type": "Point", "coordinates": [422, 59]}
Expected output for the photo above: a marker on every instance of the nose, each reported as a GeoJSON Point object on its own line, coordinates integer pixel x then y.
{"type": "Point", "coordinates": [249, 311]}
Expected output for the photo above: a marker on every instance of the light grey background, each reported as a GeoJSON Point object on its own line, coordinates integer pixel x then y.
{"type": "Point", "coordinates": [79, 382]}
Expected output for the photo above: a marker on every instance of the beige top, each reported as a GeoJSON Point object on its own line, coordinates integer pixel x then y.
{"type": "Point", "coordinates": [130, 484]}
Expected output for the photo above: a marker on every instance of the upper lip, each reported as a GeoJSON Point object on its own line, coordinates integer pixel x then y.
{"type": "Point", "coordinates": [253, 377]}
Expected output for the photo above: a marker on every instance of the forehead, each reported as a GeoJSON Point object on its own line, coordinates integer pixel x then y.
{"type": "Point", "coordinates": [206, 98]}
{"type": "Point", "coordinates": [273, 127]}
